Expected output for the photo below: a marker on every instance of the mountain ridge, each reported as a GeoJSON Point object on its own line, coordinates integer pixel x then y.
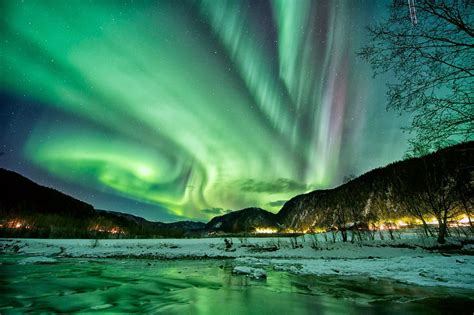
{"type": "Point", "coordinates": [387, 194]}
{"type": "Point", "coordinates": [383, 193]}
{"type": "Point", "coordinates": [41, 211]}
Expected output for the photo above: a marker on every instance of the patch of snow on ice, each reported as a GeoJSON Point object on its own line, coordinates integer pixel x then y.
{"type": "Point", "coordinates": [37, 260]}
{"type": "Point", "coordinates": [255, 273]}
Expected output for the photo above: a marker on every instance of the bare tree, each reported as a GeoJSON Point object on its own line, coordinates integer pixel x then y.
{"type": "Point", "coordinates": [432, 58]}
{"type": "Point", "coordinates": [464, 189]}
{"type": "Point", "coordinates": [440, 194]}
{"type": "Point", "coordinates": [406, 194]}
{"type": "Point", "coordinates": [442, 180]}
{"type": "Point", "coordinates": [340, 220]}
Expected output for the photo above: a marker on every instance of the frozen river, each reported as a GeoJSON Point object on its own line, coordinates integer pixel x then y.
{"type": "Point", "coordinates": [207, 287]}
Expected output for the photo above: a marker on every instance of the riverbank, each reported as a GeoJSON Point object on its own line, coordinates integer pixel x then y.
{"type": "Point", "coordinates": [408, 259]}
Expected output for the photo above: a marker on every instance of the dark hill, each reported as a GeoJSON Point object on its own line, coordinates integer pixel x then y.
{"type": "Point", "coordinates": [439, 185]}
{"type": "Point", "coordinates": [180, 225]}
{"type": "Point", "coordinates": [18, 193]}
{"type": "Point", "coordinates": [245, 220]}
{"type": "Point", "coordinates": [31, 210]}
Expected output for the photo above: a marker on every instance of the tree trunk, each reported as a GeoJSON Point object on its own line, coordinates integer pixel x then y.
{"type": "Point", "coordinates": [442, 232]}
{"type": "Point", "coordinates": [425, 227]}
{"type": "Point", "coordinates": [344, 235]}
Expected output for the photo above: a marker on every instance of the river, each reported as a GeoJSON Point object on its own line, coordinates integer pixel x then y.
{"type": "Point", "coordinates": [207, 287]}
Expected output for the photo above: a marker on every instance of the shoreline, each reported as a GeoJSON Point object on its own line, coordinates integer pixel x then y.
{"type": "Point", "coordinates": [399, 260]}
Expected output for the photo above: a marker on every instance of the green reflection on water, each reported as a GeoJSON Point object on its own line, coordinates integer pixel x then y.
{"type": "Point", "coordinates": [206, 287]}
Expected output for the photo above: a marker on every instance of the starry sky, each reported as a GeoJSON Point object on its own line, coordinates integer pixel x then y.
{"type": "Point", "coordinates": [177, 110]}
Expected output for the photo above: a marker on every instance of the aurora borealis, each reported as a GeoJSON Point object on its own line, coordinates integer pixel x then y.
{"type": "Point", "coordinates": [184, 109]}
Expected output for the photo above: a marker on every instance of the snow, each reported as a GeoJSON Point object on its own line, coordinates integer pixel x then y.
{"type": "Point", "coordinates": [37, 260]}
{"type": "Point", "coordinates": [408, 259]}
{"type": "Point", "coordinates": [256, 273]}
{"type": "Point", "coordinates": [434, 270]}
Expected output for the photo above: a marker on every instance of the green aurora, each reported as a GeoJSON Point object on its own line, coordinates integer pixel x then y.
{"type": "Point", "coordinates": [190, 108]}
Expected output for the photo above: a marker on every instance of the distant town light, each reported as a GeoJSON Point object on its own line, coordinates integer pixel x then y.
{"type": "Point", "coordinates": [265, 230]}
{"type": "Point", "coordinates": [16, 224]}
{"type": "Point", "coordinates": [464, 220]}
{"type": "Point", "coordinates": [98, 228]}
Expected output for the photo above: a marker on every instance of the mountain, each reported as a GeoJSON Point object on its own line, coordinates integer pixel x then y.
{"type": "Point", "coordinates": [439, 185]}
{"type": "Point", "coordinates": [18, 193]}
{"type": "Point", "coordinates": [132, 219]}
{"type": "Point", "coordinates": [31, 210]}
{"type": "Point", "coordinates": [245, 220]}
{"type": "Point", "coordinates": [187, 225]}
{"type": "Point", "coordinates": [179, 225]}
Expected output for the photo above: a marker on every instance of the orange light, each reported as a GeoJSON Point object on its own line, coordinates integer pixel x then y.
{"type": "Point", "coordinates": [265, 230]}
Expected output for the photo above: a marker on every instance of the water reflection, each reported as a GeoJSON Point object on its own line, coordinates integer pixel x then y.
{"type": "Point", "coordinates": [206, 287]}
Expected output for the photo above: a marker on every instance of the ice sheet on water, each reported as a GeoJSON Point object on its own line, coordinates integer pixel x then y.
{"type": "Point", "coordinates": [256, 273]}
{"type": "Point", "coordinates": [37, 260]}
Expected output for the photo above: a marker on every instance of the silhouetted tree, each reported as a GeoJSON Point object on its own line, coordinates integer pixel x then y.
{"type": "Point", "coordinates": [407, 193]}
{"type": "Point", "coordinates": [464, 190]}
{"type": "Point", "coordinates": [438, 186]}
{"type": "Point", "coordinates": [432, 58]}
{"type": "Point", "coordinates": [340, 220]}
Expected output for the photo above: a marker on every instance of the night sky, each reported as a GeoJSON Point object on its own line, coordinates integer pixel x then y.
{"type": "Point", "coordinates": [177, 110]}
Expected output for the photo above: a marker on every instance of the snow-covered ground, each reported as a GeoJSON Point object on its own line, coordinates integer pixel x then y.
{"type": "Point", "coordinates": [405, 260]}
